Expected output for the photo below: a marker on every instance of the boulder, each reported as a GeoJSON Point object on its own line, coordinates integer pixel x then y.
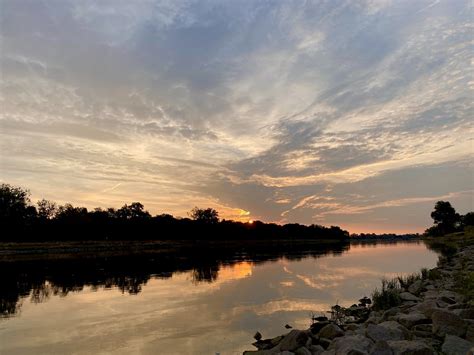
{"type": "Point", "coordinates": [293, 340]}
{"type": "Point", "coordinates": [316, 327]}
{"type": "Point", "coordinates": [316, 349]}
{"type": "Point", "coordinates": [410, 347]}
{"type": "Point", "coordinates": [389, 330]}
{"type": "Point", "coordinates": [446, 300]}
{"type": "Point", "coordinates": [470, 332]}
{"type": "Point", "coordinates": [427, 307]}
{"type": "Point", "coordinates": [324, 342]}
{"type": "Point", "coordinates": [331, 331]}
{"type": "Point", "coordinates": [268, 343]}
{"type": "Point", "coordinates": [302, 351]}
{"type": "Point", "coordinates": [407, 296]}
{"type": "Point", "coordinates": [454, 345]}
{"type": "Point", "coordinates": [351, 326]}
{"type": "Point", "coordinates": [381, 347]}
{"type": "Point", "coordinates": [349, 344]}
{"type": "Point", "coordinates": [466, 313]}
{"type": "Point", "coordinates": [422, 334]}
{"type": "Point", "coordinates": [328, 352]}
{"type": "Point", "coordinates": [413, 318]}
{"type": "Point", "coordinates": [416, 287]}
{"type": "Point", "coordinates": [423, 328]}
{"type": "Point", "coordinates": [390, 313]}
{"type": "Point", "coordinates": [456, 297]}
{"type": "Point", "coordinates": [445, 322]}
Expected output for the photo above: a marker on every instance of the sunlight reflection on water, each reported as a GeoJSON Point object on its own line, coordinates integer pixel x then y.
{"type": "Point", "coordinates": [179, 315]}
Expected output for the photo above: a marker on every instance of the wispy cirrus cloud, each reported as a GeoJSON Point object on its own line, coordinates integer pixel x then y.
{"type": "Point", "coordinates": [245, 106]}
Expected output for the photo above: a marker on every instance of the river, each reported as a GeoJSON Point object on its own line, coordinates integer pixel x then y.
{"type": "Point", "coordinates": [200, 307]}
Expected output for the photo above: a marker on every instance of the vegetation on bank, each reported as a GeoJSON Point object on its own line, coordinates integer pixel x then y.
{"type": "Point", "coordinates": [21, 220]}
{"type": "Point", "coordinates": [388, 295]}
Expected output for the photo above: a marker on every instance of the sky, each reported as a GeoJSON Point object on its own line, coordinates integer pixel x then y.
{"type": "Point", "coordinates": [349, 113]}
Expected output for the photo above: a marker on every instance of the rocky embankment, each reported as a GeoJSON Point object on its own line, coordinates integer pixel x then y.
{"type": "Point", "coordinates": [434, 315]}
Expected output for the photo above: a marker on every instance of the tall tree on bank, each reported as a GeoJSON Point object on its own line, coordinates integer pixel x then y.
{"type": "Point", "coordinates": [445, 218]}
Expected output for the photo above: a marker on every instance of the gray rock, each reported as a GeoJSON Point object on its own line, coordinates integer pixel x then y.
{"type": "Point", "coordinates": [293, 340]}
{"type": "Point", "coordinates": [447, 300]}
{"type": "Point", "coordinates": [316, 327]}
{"type": "Point", "coordinates": [470, 332]}
{"type": "Point", "coordinates": [415, 287]}
{"type": "Point", "coordinates": [390, 313]}
{"type": "Point", "coordinates": [268, 343]}
{"type": "Point", "coordinates": [331, 331]}
{"type": "Point", "coordinates": [324, 342]}
{"type": "Point", "coordinates": [351, 343]}
{"type": "Point", "coordinates": [458, 306]}
{"type": "Point", "coordinates": [431, 294]}
{"type": "Point", "coordinates": [407, 296]}
{"type": "Point", "coordinates": [355, 352]}
{"type": "Point", "coordinates": [423, 328]}
{"type": "Point", "coordinates": [454, 345]}
{"type": "Point", "coordinates": [427, 307]}
{"type": "Point", "coordinates": [351, 326]}
{"type": "Point", "coordinates": [389, 330]}
{"type": "Point", "coordinates": [466, 313]}
{"type": "Point", "coordinates": [410, 347]}
{"type": "Point", "coordinates": [381, 347]}
{"type": "Point", "coordinates": [445, 322]}
{"type": "Point", "coordinates": [257, 336]}
{"type": "Point", "coordinates": [422, 334]}
{"type": "Point", "coordinates": [302, 351]}
{"type": "Point", "coordinates": [286, 352]}
{"type": "Point", "coordinates": [316, 349]}
{"type": "Point", "coordinates": [413, 318]}
{"type": "Point", "coordinates": [452, 295]}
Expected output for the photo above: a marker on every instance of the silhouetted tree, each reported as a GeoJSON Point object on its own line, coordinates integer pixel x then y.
{"type": "Point", "coordinates": [69, 213]}
{"type": "Point", "coordinates": [133, 211]}
{"type": "Point", "coordinates": [46, 209]}
{"type": "Point", "coordinates": [15, 205]}
{"type": "Point", "coordinates": [468, 219]}
{"type": "Point", "coordinates": [445, 216]}
{"type": "Point", "coordinates": [208, 215]}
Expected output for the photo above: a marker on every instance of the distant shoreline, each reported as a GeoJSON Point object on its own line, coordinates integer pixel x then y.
{"type": "Point", "coordinates": [28, 250]}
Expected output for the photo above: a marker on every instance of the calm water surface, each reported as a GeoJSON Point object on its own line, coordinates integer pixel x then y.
{"type": "Point", "coordinates": [186, 314]}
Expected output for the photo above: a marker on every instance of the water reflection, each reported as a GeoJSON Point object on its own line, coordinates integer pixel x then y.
{"type": "Point", "coordinates": [41, 279]}
{"type": "Point", "coordinates": [211, 301]}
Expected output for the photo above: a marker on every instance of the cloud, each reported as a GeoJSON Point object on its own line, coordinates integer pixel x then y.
{"type": "Point", "coordinates": [243, 105]}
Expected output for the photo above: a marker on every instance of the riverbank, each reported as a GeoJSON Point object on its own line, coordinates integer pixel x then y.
{"type": "Point", "coordinates": [428, 313]}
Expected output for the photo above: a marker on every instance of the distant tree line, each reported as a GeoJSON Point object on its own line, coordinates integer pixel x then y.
{"type": "Point", "coordinates": [21, 220]}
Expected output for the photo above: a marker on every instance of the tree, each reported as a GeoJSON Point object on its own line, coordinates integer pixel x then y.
{"type": "Point", "coordinates": [14, 204]}
{"type": "Point", "coordinates": [208, 215]}
{"type": "Point", "coordinates": [468, 219]}
{"type": "Point", "coordinates": [133, 211]}
{"type": "Point", "coordinates": [46, 209]}
{"type": "Point", "coordinates": [445, 217]}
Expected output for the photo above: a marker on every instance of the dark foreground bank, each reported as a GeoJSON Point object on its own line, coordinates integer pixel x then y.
{"type": "Point", "coordinates": [428, 313]}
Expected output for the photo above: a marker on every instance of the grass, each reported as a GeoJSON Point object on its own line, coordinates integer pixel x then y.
{"type": "Point", "coordinates": [387, 296]}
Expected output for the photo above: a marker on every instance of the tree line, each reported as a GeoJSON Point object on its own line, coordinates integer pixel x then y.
{"type": "Point", "coordinates": [22, 220]}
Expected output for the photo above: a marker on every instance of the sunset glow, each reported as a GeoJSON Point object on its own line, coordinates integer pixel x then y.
{"type": "Point", "coordinates": [349, 113]}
